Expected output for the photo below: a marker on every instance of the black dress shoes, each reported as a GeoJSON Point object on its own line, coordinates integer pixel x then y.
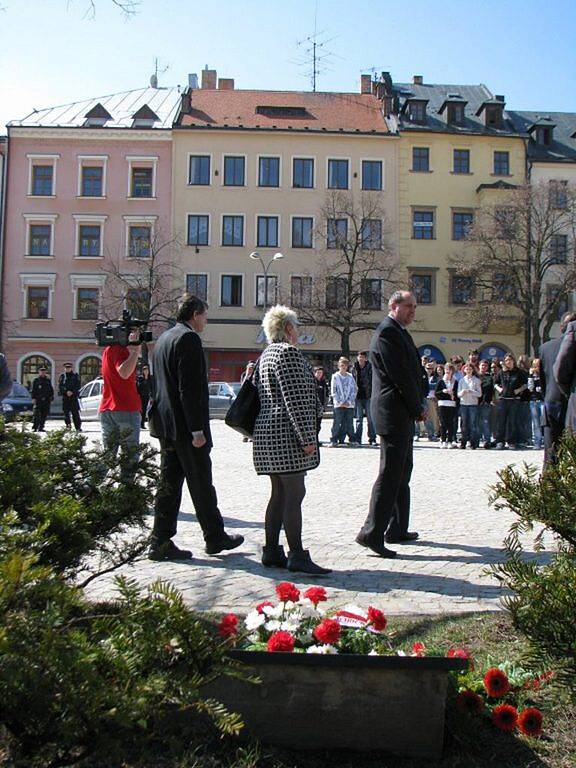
{"type": "Point", "coordinates": [408, 536]}
{"type": "Point", "coordinates": [273, 556]}
{"type": "Point", "coordinates": [301, 562]}
{"type": "Point", "coordinates": [378, 549]}
{"type": "Point", "coordinates": [225, 542]}
{"type": "Point", "coordinates": [167, 550]}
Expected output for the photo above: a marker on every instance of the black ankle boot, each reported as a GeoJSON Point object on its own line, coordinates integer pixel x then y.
{"type": "Point", "coordinates": [303, 563]}
{"type": "Point", "coordinates": [273, 556]}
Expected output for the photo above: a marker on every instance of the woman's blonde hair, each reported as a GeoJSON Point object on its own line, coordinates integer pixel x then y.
{"type": "Point", "coordinates": [275, 322]}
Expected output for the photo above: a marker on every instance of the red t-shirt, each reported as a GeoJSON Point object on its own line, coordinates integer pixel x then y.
{"type": "Point", "coordinates": [118, 394]}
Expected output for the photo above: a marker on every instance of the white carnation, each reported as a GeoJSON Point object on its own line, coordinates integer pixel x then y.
{"type": "Point", "coordinates": [322, 649]}
{"type": "Point", "coordinates": [254, 620]}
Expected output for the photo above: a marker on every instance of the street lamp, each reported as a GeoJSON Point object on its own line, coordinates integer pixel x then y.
{"type": "Point", "coordinates": [266, 268]}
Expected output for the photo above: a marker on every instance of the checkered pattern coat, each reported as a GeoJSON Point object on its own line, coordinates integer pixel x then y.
{"type": "Point", "coordinates": [289, 409]}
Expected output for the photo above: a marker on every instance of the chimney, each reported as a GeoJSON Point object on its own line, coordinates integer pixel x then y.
{"type": "Point", "coordinates": [208, 79]}
{"type": "Point", "coordinates": [387, 105]}
{"type": "Point", "coordinates": [225, 84]}
{"type": "Point", "coordinates": [365, 83]}
{"type": "Point", "coordinates": [418, 80]}
{"type": "Point", "coordinates": [500, 98]}
{"type": "Point", "coordinates": [193, 80]}
{"type": "Point", "coordinates": [185, 105]}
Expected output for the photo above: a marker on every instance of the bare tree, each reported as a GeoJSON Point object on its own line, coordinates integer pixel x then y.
{"type": "Point", "coordinates": [517, 263]}
{"type": "Point", "coordinates": [127, 7]}
{"type": "Point", "coordinates": [354, 269]}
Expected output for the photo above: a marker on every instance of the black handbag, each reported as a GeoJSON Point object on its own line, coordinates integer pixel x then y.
{"type": "Point", "coordinates": [244, 410]}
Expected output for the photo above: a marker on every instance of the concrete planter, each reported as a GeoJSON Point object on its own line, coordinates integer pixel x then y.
{"type": "Point", "coordinates": [308, 701]}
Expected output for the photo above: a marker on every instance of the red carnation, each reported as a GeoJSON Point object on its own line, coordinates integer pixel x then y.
{"type": "Point", "coordinates": [419, 649]}
{"type": "Point", "coordinates": [280, 642]}
{"type": "Point", "coordinates": [469, 702]}
{"type": "Point", "coordinates": [377, 619]}
{"type": "Point", "coordinates": [228, 627]}
{"type": "Point", "coordinates": [505, 717]}
{"type": "Point", "coordinates": [287, 591]}
{"type": "Point", "coordinates": [260, 607]}
{"type": "Point", "coordinates": [530, 721]}
{"type": "Point", "coordinates": [316, 595]}
{"type": "Point", "coordinates": [496, 683]}
{"type": "Point", "coordinates": [328, 632]}
{"type": "Point", "coordinates": [460, 653]}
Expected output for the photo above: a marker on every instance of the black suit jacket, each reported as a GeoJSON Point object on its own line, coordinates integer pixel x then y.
{"type": "Point", "coordinates": [398, 381]}
{"type": "Point", "coordinates": [565, 372]}
{"type": "Point", "coordinates": [548, 353]}
{"type": "Point", "coordinates": [181, 404]}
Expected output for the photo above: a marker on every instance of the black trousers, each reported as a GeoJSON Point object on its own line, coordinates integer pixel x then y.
{"type": "Point", "coordinates": [144, 410]}
{"type": "Point", "coordinates": [553, 430]}
{"type": "Point", "coordinates": [448, 417]}
{"type": "Point", "coordinates": [508, 412]}
{"type": "Point", "coordinates": [40, 414]}
{"type": "Point", "coordinates": [71, 407]}
{"type": "Point", "coordinates": [179, 460]}
{"type": "Point", "coordinates": [390, 500]}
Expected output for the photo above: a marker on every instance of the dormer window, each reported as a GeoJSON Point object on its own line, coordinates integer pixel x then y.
{"type": "Point", "coordinates": [543, 136]}
{"type": "Point", "coordinates": [493, 112]}
{"type": "Point", "coordinates": [97, 117]}
{"type": "Point", "coordinates": [454, 106]}
{"type": "Point", "coordinates": [144, 118]}
{"type": "Point", "coordinates": [542, 131]}
{"type": "Point", "coordinates": [415, 110]}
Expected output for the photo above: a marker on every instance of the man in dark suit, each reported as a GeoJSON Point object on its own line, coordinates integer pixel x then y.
{"type": "Point", "coordinates": [179, 417]}
{"type": "Point", "coordinates": [555, 400]}
{"type": "Point", "coordinates": [565, 374]}
{"type": "Point", "coordinates": [398, 389]}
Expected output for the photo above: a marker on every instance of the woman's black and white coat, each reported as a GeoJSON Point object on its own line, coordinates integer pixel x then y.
{"type": "Point", "coordinates": [289, 410]}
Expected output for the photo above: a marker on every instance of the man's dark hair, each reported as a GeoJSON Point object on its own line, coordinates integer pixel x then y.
{"type": "Point", "coordinates": [568, 317]}
{"type": "Point", "coordinates": [318, 368]}
{"type": "Point", "coordinates": [362, 352]}
{"type": "Point", "coordinates": [190, 306]}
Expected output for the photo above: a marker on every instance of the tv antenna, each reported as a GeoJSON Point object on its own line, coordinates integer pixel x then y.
{"type": "Point", "coordinates": [315, 58]}
{"type": "Point", "coordinates": [157, 71]}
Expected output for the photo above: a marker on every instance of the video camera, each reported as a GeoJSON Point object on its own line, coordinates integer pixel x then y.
{"type": "Point", "coordinates": [117, 331]}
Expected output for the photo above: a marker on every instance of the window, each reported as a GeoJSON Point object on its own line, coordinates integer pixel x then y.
{"type": "Point", "coordinates": [461, 161]}
{"type": "Point", "coordinates": [371, 174]}
{"type": "Point", "coordinates": [197, 285]}
{"type": "Point", "coordinates": [31, 368]}
{"type": "Point", "coordinates": [559, 249]}
{"type": "Point", "coordinates": [40, 240]}
{"type": "Point", "coordinates": [198, 229]}
{"type": "Point", "coordinates": [505, 222]}
{"type": "Point", "coordinates": [501, 163]}
{"type": "Point", "coordinates": [338, 174]}
{"type": "Point", "coordinates": [417, 111]}
{"type": "Point", "coordinates": [422, 286]}
{"type": "Point", "coordinates": [371, 235]}
{"type": "Point", "coordinates": [42, 177]}
{"type": "Point", "coordinates": [555, 293]}
{"type": "Point", "coordinates": [89, 240]}
{"type": "Point", "coordinates": [37, 303]}
{"type": "Point", "coordinates": [92, 183]}
{"type": "Point", "coordinates": [420, 159]}
{"type": "Point", "coordinates": [301, 291]}
{"type": "Point", "coordinates": [234, 171]}
{"type": "Point", "coordinates": [336, 292]}
{"type": "Point", "coordinates": [138, 302]}
{"type": "Point", "coordinates": [503, 290]}
{"type": "Point", "coordinates": [231, 291]}
{"type": "Point", "coordinates": [461, 223]}
{"type": "Point", "coordinates": [302, 232]}
{"type": "Point", "coordinates": [199, 171]}
{"type": "Point", "coordinates": [303, 173]}
{"type": "Point", "coordinates": [269, 172]}
{"type": "Point", "coordinates": [87, 303]}
{"type": "Point", "coordinates": [89, 368]}
{"type": "Point", "coordinates": [267, 236]}
{"type": "Point", "coordinates": [142, 182]}
{"type": "Point", "coordinates": [423, 225]}
{"type": "Point", "coordinates": [232, 230]}
{"type": "Point", "coordinates": [371, 293]}
{"type": "Point", "coordinates": [559, 194]}
{"type": "Point", "coordinates": [461, 289]}
{"type": "Point", "coordinates": [271, 282]}
{"type": "Point", "coordinates": [543, 136]}
{"type": "Point", "coordinates": [139, 238]}
{"type": "Point", "coordinates": [455, 114]}
{"type": "Point", "coordinates": [337, 233]}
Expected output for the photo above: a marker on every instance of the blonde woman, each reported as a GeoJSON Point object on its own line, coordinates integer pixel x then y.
{"type": "Point", "coordinates": [285, 438]}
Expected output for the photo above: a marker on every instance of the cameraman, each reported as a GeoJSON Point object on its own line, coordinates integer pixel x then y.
{"type": "Point", "coordinates": [120, 406]}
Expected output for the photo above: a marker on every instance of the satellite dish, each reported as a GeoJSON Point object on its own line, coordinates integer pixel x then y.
{"type": "Point", "coordinates": [154, 81]}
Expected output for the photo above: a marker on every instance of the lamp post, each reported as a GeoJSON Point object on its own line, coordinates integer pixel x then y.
{"type": "Point", "coordinates": [265, 268]}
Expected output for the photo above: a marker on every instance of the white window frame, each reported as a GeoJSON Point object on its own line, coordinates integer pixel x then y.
{"type": "Point", "coordinates": [37, 159]}
{"type": "Point", "coordinates": [202, 213]}
{"type": "Point", "coordinates": [83, 357]}
{"type": "Point", "coordinates": [336, 157]}
{"type": "Point", "coordinates": [231, 274]}
{"type": "Point", "coordinates": [37, 280]}
{"type": "Point", "coordinates": [300, 275]}
{"type": "Point", "coordinates": [314, 172]}
{"type": "Point", "coordinates": [92, 161]}
{"type": "Point", "coordinates": [202, 274]}
{"type": "Point", "coordinates": [146, 221]}
{"type": "Point", "coordinates": [88, 219]}
{"type": "Point", "coordinates": [258, 158]}
{"type": "Point", "coordinates": [301, 247]}
{"type": "Point", "coordinates": [39, 218]}
{"type": "Point", "coordinates": [199, 154]}
{"type": "Point", "coordinates": [144, 161]}
{"type": "Point", "coordinates": [234, 186]}
{"type": "Point", "coordinates": [259, 275]}
{"type": "Point", "coordinates": [33, 353]}
{"type": "Point", "coordinates": [86, 281]}
{"type": "Point", "coordinates": [267, 216]}
{"type": "Point", "coordinates": [383, 173]}
{"type": "Point", "coordinates": [244, 232]}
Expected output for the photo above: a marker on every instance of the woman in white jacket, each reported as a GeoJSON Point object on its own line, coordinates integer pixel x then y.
{"type": "Point", "coordinates": [469, 393]}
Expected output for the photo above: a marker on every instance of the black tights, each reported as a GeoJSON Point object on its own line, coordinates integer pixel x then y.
{"type": "Point", "coordinates": [285, 509]}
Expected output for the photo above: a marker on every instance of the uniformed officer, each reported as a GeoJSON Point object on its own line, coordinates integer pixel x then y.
{"type": "Point", "coordinates": [69, 387]}
{"type": "Point", "coordinates": [42, 396]}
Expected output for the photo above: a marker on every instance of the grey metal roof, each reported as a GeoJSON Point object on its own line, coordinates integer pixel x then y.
{"type": "Point", "coordinates": [563, 146]}
{"type": "Point", "coordinates": [164, 102]}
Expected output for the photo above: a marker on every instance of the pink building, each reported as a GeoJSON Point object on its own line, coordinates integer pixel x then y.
{"type": "Point", "coordinates": [88, 184]}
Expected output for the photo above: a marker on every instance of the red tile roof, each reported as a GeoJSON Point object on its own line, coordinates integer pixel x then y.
{"type": "Point", "coordinates": [349, 112]}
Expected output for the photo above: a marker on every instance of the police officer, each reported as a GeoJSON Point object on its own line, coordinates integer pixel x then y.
{"type": "Point", "coordinates": [145, 387]}
{"type": "Point", "coordinates": [69, 387]}
{"type": "Point", "coordinates": [42, 396]}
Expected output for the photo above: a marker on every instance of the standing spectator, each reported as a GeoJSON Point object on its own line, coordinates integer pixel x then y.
{"type": "Point", "coordinates": [5, 379]}
{"type": "Point", "coordinates": [322, 392]}
{"type": "Point", "coordinates": [510, 383]}
{"type": "Point", "coordinates": [458, 362]}
{"type": "Point", "coordinates": [343, 389]}
{"type": "Point", "coordinates": [362, 372]}
{"type": "Point", "coordinates": [447, 396]}
{"type": "Point", "coordinates": [469, 393]}
{"type": "Point", "coordinates": [536, 402]}
{"type": "Point", "coordinates": [474, 360]}
{"type": "Point", "coordinates": [431, 423]}
{"type": "Point", "coordinates": [42, 395]}
{"type": "Point", "coordinates": [525, 417]}
{"type": "Point", "coordinates": [495, 368]}
{"type": "Point", "coordinates": [485, 404]}
{"type": "Point", "coordinates": [565, 374]}
{"type": "Point", "coordinates": [68, 388]}
{"type": "Point", "coordinates": [397, 393]}
{"type": "Point", "coordinates": [248, 372]}
{"type": "Point", "coordinates": [145, 387]}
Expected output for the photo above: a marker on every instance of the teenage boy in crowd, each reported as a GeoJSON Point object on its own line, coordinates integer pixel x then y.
{"type": "Point", "coordinates": [343, 389]}
{"type": "Point", "coordinates": [362, 372]}
{"type": "Point", "coordinates": [469, 393]}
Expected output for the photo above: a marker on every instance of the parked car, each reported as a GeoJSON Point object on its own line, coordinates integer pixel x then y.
{"type": "Point", "coordinates": [89, 397]}
{"type": "Point", "coordinates": [236, 385]}
{"type": "Point", "coordinates": [16, 402]}
{"type": "Point", "coordinates": [221, 396]}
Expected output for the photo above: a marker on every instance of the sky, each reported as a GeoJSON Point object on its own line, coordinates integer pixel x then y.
{"type": "Point", "coordinates": [56, 51]}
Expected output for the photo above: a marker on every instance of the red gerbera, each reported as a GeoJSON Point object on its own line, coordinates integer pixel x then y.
{"type": "Point", "coordinates": [228, 627]}
{"type": "Point", "coordinates": [316, 595]}
{"type": "Point", "coordinates": [328, 632]}
{"type": "Point", "coordinates": [530, 721]}
{"type": "Point", "coordinates": [496, 683]}
{"type": "Point", "coordinates": [260, 607]}
{"type": "Point", "coordinates": [287, 591]}
{"type": "Point", "coordinates": [419, 649]}
{"type": "Point", "coordinates": [280, 642]}
{"type": "Point", "coordinates": [460, 653]}
{"type": "Point", "coordinates": [377, 619]}
{"type": "Point", "coordinates": [469, 702]}
{"type": "Point", "coordinates": [505, 717]}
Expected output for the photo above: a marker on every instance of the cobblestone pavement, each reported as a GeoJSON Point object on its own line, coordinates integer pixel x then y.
{"type": "Point", "coordinates": [460, 534]}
